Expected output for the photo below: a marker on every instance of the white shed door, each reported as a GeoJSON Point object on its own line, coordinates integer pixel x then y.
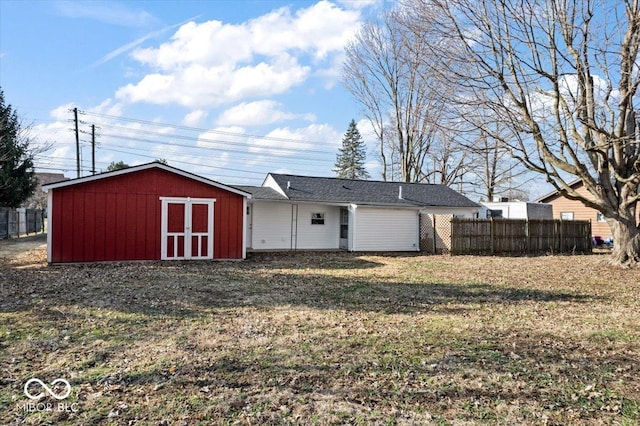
{"type": "Point", "coordinates": [386, 230]}
{"type": "Point", "coordinates": [187, 228]}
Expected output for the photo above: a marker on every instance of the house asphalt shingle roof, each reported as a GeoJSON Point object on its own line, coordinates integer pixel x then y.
{"type": "Point", "coordinates": [261, 192]}
{"type": "Point", "coordinates": [335, 190]}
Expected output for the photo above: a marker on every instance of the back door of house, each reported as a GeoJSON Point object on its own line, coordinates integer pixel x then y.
{"type": "Point", "coordinates": [186, 228]}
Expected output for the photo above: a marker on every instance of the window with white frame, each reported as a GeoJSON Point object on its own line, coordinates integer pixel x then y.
{"type": "Point", "coordinates": [317, 218]}
{"type": "Point", "coordinates": [566, 215]}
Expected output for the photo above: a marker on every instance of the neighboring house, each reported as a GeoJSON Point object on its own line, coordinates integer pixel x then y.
{"type": "Point", "coordinates": [291, 212]}
{"type": "Point", "coordinates": [39, 198]}
{"type": "Point", "coordinates": [147, 212]}
{"type": "Point", "coordinates": [516, 210]}
{"type": "Point", "coordinates": [566, 209]}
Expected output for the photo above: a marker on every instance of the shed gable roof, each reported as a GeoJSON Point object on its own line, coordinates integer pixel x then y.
{"type": "Point", "coordinates": [336, 190]}
{"type": "Point", "coordinates": [153, 165]}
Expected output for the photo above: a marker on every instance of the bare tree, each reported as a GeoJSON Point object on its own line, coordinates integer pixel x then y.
{"type": "Point", "coordinates": [563, 76]}
{"type": "Point", "coordinates": [386, 73]}
{"type": "Point", "coordinates": [494, 171]}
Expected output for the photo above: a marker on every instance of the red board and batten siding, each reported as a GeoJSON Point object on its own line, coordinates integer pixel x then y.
{"type": "Point", "coordinates": [118, 217]}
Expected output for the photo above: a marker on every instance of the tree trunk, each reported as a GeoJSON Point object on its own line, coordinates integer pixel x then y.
{"type": "Point", "coordinates": [626, 242]}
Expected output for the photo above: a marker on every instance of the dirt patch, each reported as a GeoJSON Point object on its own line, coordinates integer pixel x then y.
{"type": "Point", "coordinates": [23, 248]}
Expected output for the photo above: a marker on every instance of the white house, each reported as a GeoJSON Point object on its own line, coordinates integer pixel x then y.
{"type": "Point", "coordinates": [516, 210]}
{"type": "Point", "coordinates": [290, 212]}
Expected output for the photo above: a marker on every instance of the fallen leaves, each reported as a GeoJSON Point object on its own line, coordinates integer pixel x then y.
{"type": "Point", "coordinates": [335, 337]}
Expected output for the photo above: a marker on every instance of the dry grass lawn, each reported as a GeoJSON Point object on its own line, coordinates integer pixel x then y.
{"type": "Point", "coordinates": [324, 338]}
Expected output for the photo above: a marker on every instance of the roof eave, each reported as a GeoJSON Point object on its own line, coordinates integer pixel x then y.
{"type": "Point", "coordinates": [146, 166]}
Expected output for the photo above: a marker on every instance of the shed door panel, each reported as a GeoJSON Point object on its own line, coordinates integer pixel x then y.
{"type": "Point", "coordinates": [176, 220]}
{"type": "Point", "coordinates": [201, 230]}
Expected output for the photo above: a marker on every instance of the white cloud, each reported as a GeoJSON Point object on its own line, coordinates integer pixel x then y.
{"type": "Point", "coordinates": [266, 79]}
{"type": "Point", "coordinates": [222, 137]}
{"type": "Point", "coordinates": [320, 29]}
{"type": "Point", "coordinates": [214, 63]}
{"type": "Point", "coordinates": [108, 107]}
{"type": "Point", "coordinates": [194, 117]}
{"type": "Point", "coordinates": [208, 44]}
{"type": "Point", "coordinates": [257, 113]}
{"type": "Point", "coordinates": [360, 4]}
{"type": "Point", "coordinates": [284, 142]}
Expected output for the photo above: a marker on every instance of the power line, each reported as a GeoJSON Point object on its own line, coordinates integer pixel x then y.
{"type": "Point", "coordinates": [185, 162]}
{"type": "Point", "coordinates": [298, 160]}
{"type": "Point", "coordinates": [217, 141]}
{"type": "Point", "coordinates": [69, 166]}
{"type": "Point", "coordinates": [200, 129]}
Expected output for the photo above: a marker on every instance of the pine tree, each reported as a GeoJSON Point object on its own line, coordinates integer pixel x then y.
{"type": "Point", "coordinates": [17, 176]}
{"type": "Point", "coordinates": [351, 157]}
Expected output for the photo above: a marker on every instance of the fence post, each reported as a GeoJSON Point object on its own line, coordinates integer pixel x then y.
{"type": "Point", "coordinates": [492, 235]}
{"type": "Point", "coordinates": [561, 244]}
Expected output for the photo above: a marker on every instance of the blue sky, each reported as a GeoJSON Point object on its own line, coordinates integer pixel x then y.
{"type": "Point", "coordinates": [230, 90]}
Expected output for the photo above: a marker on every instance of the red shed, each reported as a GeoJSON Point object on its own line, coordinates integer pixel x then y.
{"type": "Point", "coordinates": [147, 212]}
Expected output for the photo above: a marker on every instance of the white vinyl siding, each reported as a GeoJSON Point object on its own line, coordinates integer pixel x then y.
{"type": "Point", "coordinates": [271, 226]}
{"type": "Point", "coordinates": [379, 229]}
{"type": "Point", "coordinates": [318, 237]}
{"type": "Point", "coordinates": [273, 223]}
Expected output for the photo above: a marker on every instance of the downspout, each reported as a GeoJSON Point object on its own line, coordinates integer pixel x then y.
{"type": "Point", "coordinates": [294, 228]}
{"type": "Point", "coordinates": [352, 240]}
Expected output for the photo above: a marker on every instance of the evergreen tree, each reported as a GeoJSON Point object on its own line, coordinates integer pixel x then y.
{"type": "Point", "coordinates": [17, 176]}
{"type": "Point", "coordinates": [350, 160]}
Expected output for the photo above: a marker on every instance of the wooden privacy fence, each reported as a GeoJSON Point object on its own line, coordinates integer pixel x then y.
{"type": "Point", "coordinates": [519, 237]}
{"type": "Point", "coordinates": [16, 222]}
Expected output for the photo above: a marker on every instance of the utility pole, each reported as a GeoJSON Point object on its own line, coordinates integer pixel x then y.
{"type": "Point", "coordinates": [75, 118]}
{"type": "Point", "coordinates": [93, 149]}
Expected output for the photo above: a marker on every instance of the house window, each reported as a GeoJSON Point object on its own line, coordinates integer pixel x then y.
{"type": "Point", "coordinates": [566, 215]}
{"type": "Point", "coordinates": [600, 217]}
{"type": "Point", "coordinates": [317, 218]}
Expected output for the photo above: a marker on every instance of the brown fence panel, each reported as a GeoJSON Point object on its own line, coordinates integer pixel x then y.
{"type": "Point", "coordinates": [509, 236]}
{"type": "Point", "coordinates": [575, 236]}
{"type": "Point", "coordinates": [470, 236]}
{"type": "Point", "coordinates": [519, 237]}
